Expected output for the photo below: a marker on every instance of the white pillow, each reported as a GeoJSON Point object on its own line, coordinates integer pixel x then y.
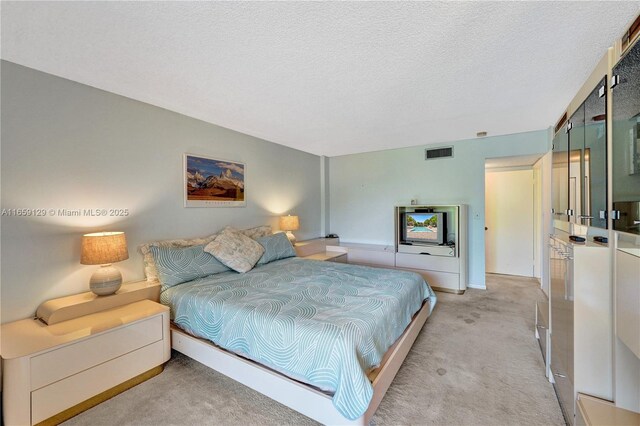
{"type": "Point", "coordinates": [235, 250]}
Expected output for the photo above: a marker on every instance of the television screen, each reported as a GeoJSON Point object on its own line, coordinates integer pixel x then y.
{"type": "Point", "coordinates": [422, 227]}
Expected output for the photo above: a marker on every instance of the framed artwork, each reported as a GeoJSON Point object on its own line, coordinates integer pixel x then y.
{"type": "Point", "coordinates": [211, 182]}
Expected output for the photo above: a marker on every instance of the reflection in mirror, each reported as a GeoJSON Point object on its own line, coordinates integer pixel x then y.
{"type": "Point", "coordinates": [576, 145]}
{"type": "Point", "coordinates": [626, 146]}
{"type": "Point", "coordinates": [560, 175]}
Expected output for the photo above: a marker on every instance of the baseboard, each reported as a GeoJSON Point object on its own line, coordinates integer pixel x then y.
{"type": "Point", "coordinates": [477, 286]}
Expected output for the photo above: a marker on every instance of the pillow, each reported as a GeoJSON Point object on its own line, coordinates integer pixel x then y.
{"type": "Point", "coordinates": [235, 250]}
{"type": "Point", "coordinates": [276, 247]}
{"type": "Point", "coordinates": [178, 265]}
{"type": "Point", "coordinates": [253, 233]}
{"type": "Point", "coordinates": [150, 270]}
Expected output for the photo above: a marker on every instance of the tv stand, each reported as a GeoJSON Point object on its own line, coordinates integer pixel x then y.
{"type": "Point", "coordinates": [444, 267]}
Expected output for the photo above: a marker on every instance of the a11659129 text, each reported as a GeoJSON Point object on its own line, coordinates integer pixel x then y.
{"type": "Point", "coordinates": [62, 212]}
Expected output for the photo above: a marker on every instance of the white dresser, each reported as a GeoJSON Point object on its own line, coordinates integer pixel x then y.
{"type": "Point", "coordinates": [581, 352]}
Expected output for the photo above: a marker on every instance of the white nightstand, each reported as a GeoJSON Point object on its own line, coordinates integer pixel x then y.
{"type": "Point", "coordinates": [53, 372]}
{"type": "Point", "coordinates": [316, 245]}
{"type": "Point", "coordinates": [329, 256]}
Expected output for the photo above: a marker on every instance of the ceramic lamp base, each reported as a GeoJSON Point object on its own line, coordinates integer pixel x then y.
{"type": "Point", "coordinates": [106, 280]}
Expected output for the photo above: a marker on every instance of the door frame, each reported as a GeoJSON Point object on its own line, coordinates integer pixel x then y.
{"type": "Point", "coordinates": [541, 164]}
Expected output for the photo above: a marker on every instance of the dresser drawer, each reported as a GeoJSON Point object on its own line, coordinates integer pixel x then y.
{"type": "Point", "coordinates": [71, 359]}
{"type": "Point", "coordinates": [439, 280]}
{"type": "Point", "coordinates": [432, 263]}
{"type": "Point", "coordinates": [371, 257]}
{"type": "Point", "coordinates": [57, 397]}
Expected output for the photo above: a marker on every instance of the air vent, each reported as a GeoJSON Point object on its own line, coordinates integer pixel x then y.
{"type": "Point", "coordinates": [435, 153]}
{"type": "Point", "coordinates": [629, 36]}
{"type": "Point", "coordinates": [560, 123]}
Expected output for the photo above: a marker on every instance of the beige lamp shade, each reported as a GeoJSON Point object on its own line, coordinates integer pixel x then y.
{"type": "Point", "coordinates": [289, 223]}
{"type": "Point", "coordinates": [102, 248]}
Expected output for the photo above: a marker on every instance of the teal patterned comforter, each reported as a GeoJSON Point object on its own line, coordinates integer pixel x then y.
{"type": "Point", "coordinates": [322, 323]}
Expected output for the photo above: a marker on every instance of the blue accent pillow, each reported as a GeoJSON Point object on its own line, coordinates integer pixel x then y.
{"type": "Point", "coordinates": [178, 265]}
{"type": "Point", "coordinates": [276, 247]}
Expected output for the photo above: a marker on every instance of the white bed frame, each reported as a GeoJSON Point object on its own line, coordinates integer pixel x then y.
{"type": "Point", "coordinates": [295, 395]}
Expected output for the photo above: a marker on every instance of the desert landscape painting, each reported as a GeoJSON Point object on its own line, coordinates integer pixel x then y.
{"type": "Point", "coordinates": [210, 182]}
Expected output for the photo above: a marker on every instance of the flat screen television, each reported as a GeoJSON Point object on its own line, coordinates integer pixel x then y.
{"type": "Point", "coordinates": [424, 228]}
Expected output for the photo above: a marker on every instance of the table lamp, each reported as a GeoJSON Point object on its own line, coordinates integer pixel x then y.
{"type": "Point", "coordinates": [104, 248]}
{"type": "Point", "coordinates": [290, 223]}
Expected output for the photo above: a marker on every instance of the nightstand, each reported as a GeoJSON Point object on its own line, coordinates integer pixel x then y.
{"type": "Point", "coordinates": [316, 245]}
{"type": "Point", "coordinates": [329, 256]}
{"type": "Point", "coordinates": [53, 372]}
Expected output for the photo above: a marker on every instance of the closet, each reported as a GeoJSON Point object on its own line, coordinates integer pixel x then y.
{"type": "Point", "coordinates": [625, 90]}
{"type": "Point", "coordinates": [592, 330]}
{"type": "Point", "coordinates": [580, 163]}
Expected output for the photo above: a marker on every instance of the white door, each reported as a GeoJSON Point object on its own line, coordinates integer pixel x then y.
{"type": "Point", "coordinates": [509, 222]}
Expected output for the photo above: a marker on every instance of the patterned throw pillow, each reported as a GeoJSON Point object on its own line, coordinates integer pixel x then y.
{"type": "Point", "coordinates": [150, 270]}
{"type": "Point", "coordinates": [179, 265]}
{"type": "Point", "coordinates": [276, 247]}
{"type": "Point", "coordinates": [253, 233]}
{"type": "Point", "coordinates": [235, 250]}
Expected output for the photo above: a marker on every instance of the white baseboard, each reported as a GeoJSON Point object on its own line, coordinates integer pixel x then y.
{"type": "Point", "coordinates": [477, 286]}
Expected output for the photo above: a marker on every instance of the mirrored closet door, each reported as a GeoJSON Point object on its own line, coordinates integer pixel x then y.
{"type": "Point", "coordinates": [576, 146]}
{"type": "Point", "coordinates": [560, 177]}
{"type": "Point", "coordinates": [626, 142]}
{"type": "Point", "coordinates": [586, 161]}
{"type": "Point", "coordinates": [594, 159]}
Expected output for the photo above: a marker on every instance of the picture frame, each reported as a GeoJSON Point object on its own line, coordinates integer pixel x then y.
{"type": "Point", "coordinates": [213, 182]}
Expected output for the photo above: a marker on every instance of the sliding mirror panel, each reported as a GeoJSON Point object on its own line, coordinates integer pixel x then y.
{"type": "Point", "coordinates": [560, 176]}
{"type": "Point", "coordinates": [576, 145]}
{"type": "Point", "coordinates": [626, 143]}
{"type": "Point", "coordinates": [594, 159]}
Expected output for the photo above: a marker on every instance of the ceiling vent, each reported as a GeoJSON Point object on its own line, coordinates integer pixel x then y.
{"type": "Point", "coordinates": [560, 123]}
{"type": "Point", "coordinates": [435, 153]}
{"type": "Point", "coordinates": [630, 35]}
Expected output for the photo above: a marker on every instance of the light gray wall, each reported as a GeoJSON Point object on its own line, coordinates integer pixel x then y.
{"type": "Point", "coordinates": [67, 145]}
{"type": "Point", "coordinates": [364, 188]}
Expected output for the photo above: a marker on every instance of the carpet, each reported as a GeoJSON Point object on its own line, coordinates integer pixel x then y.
{"type": "Point", "coordinates": [475, 362]}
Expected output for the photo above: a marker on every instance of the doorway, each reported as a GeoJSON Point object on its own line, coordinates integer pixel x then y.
{"type": "Point", "coordinates": [510, 225]}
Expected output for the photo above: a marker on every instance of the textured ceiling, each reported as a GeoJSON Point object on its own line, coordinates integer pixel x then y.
{"type": "Point", "coordinates": [330, 78]}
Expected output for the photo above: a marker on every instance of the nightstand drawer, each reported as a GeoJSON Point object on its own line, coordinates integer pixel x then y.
{"type": "Point", "coordinates": [51, 400]}
{"type": "Point", "coordinates": [68, 360]}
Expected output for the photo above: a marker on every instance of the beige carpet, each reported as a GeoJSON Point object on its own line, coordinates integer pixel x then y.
{"type": "Point", "coordinates": [476, 362]}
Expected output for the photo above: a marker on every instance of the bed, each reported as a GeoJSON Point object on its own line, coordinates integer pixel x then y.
{"type": "Point", "coordinates": [323, 338]}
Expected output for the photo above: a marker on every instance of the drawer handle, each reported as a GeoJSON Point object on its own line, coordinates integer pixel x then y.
{"type": "Point", "coordinates": [562, 376]}
{"type": "Point", "coordinates": [541, 327]}
{"type": "Point", "coordinates": [424, 252]}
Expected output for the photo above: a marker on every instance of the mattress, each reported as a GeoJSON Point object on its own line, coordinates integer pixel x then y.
{"type": "Point", "coordinates": [322, 323]}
